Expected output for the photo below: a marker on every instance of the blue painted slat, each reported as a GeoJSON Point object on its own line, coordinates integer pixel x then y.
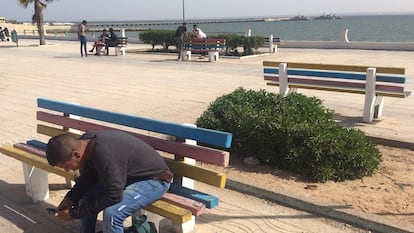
{"type": "Point", "coordinates": [390, 79]}
{"type": "Point", "coordinates": [344, 75]}
{"type": "Point", "coordinates": [36, 143]}
{"type": "Point", "coordinates": [207, 199]}
{"type": "Point", "coordinates": [208, 136]}
{"type": "Point", "coordinates": [271, 70]}
{"type": "Point", "coordinates": [313, 73]}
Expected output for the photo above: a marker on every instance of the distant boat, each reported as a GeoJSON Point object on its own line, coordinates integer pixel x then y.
{"type": "Point", "coordinates": [299, 18]}
{"type": "Point", "coordinates": [329, 16]}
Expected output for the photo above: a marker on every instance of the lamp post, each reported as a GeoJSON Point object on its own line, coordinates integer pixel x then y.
{"type": "Point", "coordinates": [183, 11]}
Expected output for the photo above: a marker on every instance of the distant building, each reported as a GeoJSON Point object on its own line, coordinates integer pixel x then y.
{"type": "Point", "coordinates": [2, 19]}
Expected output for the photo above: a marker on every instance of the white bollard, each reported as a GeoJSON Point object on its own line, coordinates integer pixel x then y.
{"type": "Point", "coordinates": [271, 49]}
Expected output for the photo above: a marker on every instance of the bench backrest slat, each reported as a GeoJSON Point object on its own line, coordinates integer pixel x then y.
{"type": "Point", "coordinates": [339, 75]}
{"type": "Point", "coordinates": [202, 135]}
{"type": "Point", "coordinates": [386, 70]}
{"type": "Point", "coordinates": [199, 153]}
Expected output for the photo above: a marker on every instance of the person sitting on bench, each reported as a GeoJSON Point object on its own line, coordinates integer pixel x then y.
{"type": "Point", "coordinates": [112, 41]}
{"type": "Point", "coordinates": [101, 40]}
{"type": "Point", "coordinates": [119, 175]}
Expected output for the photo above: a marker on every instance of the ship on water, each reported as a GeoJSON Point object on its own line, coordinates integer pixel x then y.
{"type": "Point", "coordinates": [329, 16]}
{"type": "Point", "coordinates": [299, 18]}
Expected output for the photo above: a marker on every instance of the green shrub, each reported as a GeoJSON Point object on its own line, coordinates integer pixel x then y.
{"type": "Point", "coordinates": [158, 37]}
{"type": "Point", "coordinates": [294, 133]}
{"type": "Point", "coordinates": [233, 41]}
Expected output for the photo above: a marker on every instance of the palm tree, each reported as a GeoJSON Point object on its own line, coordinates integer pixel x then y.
{"type": "Point", "coordinates": [37, 17]}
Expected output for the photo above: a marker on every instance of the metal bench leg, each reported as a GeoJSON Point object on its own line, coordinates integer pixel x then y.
{"type": "Point", "coordinates": [36, 182]}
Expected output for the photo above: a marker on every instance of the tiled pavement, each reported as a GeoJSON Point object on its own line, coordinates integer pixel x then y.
{"type": "Point", "coordinates": [158, 86]}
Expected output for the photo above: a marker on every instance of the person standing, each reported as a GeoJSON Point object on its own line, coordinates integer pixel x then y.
{"type": "Point", "coordinates": [119, 175]}
{"type": "Point", "coordinates": [180, 36]}
{"type": "Point", "coordinates": [82, 37]}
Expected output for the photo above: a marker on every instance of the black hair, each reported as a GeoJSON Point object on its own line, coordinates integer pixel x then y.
{"type": "Point", "coordinates": [59, 148]}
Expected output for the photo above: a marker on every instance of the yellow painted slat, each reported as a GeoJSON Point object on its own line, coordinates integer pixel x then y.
{"type": "Point", "coordinates": [35, 160]}
{"type": "Point", "coordinates": [384, 70]}
{"type": "Point", "coordinates": [173, 212]}
{"type": "Point", "coordinates": [51, 131]}
{"type": "Point", "coordinates": [197, 173]}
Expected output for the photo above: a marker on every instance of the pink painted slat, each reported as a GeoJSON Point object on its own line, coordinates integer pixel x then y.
{"type": "Point", "coordinates": [199, 153]}
{"type": "Point", "coordinates": [271, 78]}
{"type": "Point", "coordinates": [196, 208]}
{"type": "Point", "coordinates": [30, 149]}
{"type": "Point", "coordinates": [333, 83]}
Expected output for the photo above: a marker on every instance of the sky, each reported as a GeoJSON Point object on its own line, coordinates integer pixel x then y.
{"type": "Point", "coordinates": [122, 10]}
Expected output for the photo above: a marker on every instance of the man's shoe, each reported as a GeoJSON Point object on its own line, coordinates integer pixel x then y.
{"type": "Point", "coordinates": [91, 51]}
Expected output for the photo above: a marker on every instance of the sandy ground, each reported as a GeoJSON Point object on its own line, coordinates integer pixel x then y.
{"type": "Point", "coordinates": [389, 192]}
{"type": "Point", "coordinates": [52, 70]}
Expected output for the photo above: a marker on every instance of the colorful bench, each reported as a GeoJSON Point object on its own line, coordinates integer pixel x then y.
{"type": "Point", "coordinates": [272, 42]}
{"type": "Point", "coordinates": [181, 204]}
{"type": "Point", "coordinates": [210, 45]}
{"type": "Point", "coordinates": [374, 83]}
{"type": "Point", "coordinates": [119, 47]}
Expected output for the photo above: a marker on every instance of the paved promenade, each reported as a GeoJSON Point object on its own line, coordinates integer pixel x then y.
{"type": "Point", "coordinates": [158, 86]}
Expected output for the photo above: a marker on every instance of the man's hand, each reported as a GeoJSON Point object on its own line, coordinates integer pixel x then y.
{"type": "Point", "coordinates": [64, 215]}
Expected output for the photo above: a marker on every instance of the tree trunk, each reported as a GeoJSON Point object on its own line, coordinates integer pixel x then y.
{"type": "Point", "coordinates": [39, 22]}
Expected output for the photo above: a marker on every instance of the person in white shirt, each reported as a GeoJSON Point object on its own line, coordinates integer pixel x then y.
{"type": "Point", "coordinates": [198, 33]}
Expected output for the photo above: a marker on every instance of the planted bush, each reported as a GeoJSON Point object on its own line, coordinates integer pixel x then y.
{"type": "Point", "coordinates": [294, 133]}
{"type": "Point", "coordinates": [158, 37]}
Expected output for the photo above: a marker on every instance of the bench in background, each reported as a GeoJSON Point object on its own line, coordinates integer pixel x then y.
{"type": "Point", "coordinates": [374, 83]}
{"type": "Point", "coordinates": [211, 46]}
{"type": "Point", "coordinates": [272, 42]}
{"type": "Point", "coordinates": [119, 47]}
{"type": "Point", "coordinates": [182, 202]}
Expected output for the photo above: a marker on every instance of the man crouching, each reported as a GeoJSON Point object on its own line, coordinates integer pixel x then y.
{"type": "Point", "coordinates": [119, 174]}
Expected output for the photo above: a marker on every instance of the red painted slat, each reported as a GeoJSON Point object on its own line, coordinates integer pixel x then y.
{"type": "Point", "coordinates": [196, 208]}
{"type": "Point", "coordinates": [339, 84]}
{"type": "Point", "coordinates": [30, 149]}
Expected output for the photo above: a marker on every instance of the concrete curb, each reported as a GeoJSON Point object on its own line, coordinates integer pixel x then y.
{"type": "Point", "coordinates": [330, 210]}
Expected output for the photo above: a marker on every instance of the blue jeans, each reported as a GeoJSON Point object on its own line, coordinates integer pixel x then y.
{"type": "Point", "coordinates": [135, 197]}
{"type": "Point", "coordinates": [83, 45]}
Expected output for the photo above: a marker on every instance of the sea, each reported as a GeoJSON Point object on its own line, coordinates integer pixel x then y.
{"type": "Point", "coordinates": [367, 28]}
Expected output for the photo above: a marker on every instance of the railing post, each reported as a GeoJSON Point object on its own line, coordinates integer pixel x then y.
{"type": "Point", "coordinates": [271, 44]}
